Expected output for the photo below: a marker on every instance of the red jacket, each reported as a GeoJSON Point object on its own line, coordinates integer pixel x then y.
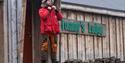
{"type": "Point", "coordinates": [49, 21]}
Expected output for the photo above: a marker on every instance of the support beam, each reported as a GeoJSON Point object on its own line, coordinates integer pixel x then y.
{"type": "Point", "coordinates": [12, 19]}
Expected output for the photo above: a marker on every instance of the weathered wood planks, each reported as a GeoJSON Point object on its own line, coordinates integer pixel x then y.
{"type": "Point", "coordinates": [112, 31]}
{"type": "Point", "coordinates": [81, 40]}
{"type": "Point", "coordinates": [97, 40]}
{"type": "Point", "coordinates": [121, 38]}
{"type": "Point", "coordinates": [63, 44]}
{"type": "Point", "coordinates": [72, 39]}
{"type": "Point", "coordinates": [123, 27]}
{"type": "Point", "coordinates": [106, 39]}
{"type": "Point", "coordinates": [64, 47]}
{"type": "Point", "coordinates": [87, 47]}
{"type": "Point", "coordinates": [89, 40]}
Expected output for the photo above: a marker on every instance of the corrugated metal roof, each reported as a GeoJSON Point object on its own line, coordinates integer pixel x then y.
{"type": "Point", "coordinates": [109, 4]}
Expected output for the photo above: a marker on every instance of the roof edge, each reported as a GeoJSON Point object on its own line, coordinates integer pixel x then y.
{"type": "Point", "coordinates": [91, 6]}
{"type": "Point", "coordinates": [93, 9]}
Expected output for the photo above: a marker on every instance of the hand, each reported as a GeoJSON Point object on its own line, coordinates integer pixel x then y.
{"type": "Point", "coordinates": [54, 7]}
{"type": "Point", "coordinates": [49, 8]}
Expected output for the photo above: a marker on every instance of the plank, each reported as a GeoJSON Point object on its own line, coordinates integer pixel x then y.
{"type": "Point", "coordinates": [97, 40]}
{"type": "Point", "coordinates": [89, 40]}
{"type": "Point", "coordinates": [124, 37]}
{"type": "Point", "coordinates": [72, 47]}
{"type": "Point", "coordinates": [64, 47]}
{"type": "Point", "coordinates": [72, 39]}
{"type": "Point", "coordinates": [81, 41]}
{"type": "Point", "coordinates": [81, 47]}
{"type": "Point", "coordinates": [112, 32]}
{"type": "Point", "coordinates": [106, 38]}
{"type": "Point", "coordinates": [119, 54]}
{"type": "Point", "coordinates": [121, 38]}
{"type": "Point", "coordinates": [21, 31]}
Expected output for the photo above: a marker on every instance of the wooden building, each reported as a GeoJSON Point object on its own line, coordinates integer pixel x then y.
{"type": "Point", "coordinates": [89, 30]}
{"type": "Point", "coordinates": [87, 46]}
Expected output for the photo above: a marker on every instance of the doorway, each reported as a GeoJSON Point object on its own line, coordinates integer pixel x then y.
{"type": "Point", "coordinates": [33, 37]}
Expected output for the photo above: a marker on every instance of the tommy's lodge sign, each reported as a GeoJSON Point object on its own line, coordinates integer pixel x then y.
{"type": "Point", "coordinates": [81, 27]}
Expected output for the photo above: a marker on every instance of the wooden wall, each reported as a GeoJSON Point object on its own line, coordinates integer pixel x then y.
{"type": "Point", "coordinates": [85, 47]}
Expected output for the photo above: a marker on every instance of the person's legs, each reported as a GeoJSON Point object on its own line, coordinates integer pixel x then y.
{"type": "Point", "coordinates": [53, 47]}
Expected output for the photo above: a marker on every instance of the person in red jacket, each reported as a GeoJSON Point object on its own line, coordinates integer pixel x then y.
{"type": "Point", "coordinates": [49, 17]}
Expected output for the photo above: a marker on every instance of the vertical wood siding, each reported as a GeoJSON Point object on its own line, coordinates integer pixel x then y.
{"type": "Point", "coordinates": [89, 39]}
{"type": "Point", "coordinates": [97, 40]}
{"type": "Point", "coordinates": [86, 47]}
{"type": "Point", "coordinates": [123, 25]}
{"type": "Point", "coordinates": [105, 39]}
{"type": "Point", "coordinates": [72, 39]}
{"type": "Point", "coordinates": [112, 37]}
{"type": "Point", "coordinates": [81, 40]}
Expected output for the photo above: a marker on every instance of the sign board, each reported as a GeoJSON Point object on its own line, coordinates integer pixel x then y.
{"type": "Point", "coordinates": [81, 27]}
